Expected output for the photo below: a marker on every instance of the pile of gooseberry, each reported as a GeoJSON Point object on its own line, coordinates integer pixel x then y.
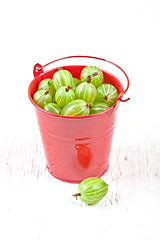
{"type": "Point", "coordinates": [69, 96]}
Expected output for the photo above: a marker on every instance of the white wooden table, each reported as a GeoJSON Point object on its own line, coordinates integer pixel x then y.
{"type": "Point", "coordinates": [35, 205]}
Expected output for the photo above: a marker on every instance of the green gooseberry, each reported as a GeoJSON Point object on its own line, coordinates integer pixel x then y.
{"type": "Point", "coordinates": [42, 97]}
{"type": "Point", "coordinates": [86, 91]}
{"type": "Point", "coordinates": [92, 190]}
{"type": "Point", "coordinates": [64, 95]}
{"type": "Point", "coordinates": [62, 78]}
{"type": "Point", "coordinates": [107, 93]}
{"type": "Point", "coordinates": [76, 107]}
{"type": "Point", "coordinates": [53, 108]}
{"type": "Point", "coordinates": [92, 73]}
{"type": "Point", "coordinates": [98, 107]}
{"type": "Point", "coordinates": [47, 84]}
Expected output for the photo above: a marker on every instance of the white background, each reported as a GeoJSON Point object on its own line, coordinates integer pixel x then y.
{"type": "Point", "coordinates": [33, 204]}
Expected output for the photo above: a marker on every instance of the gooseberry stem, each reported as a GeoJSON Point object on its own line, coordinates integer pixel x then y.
{"type": "Point", "coordinates": [67, 88]}
{"type": "Point", "coordinates": [89, 76]}
{"type": "Point", "coordinates": [60, 68]}
{"type": "Point", "coordinates": [46, 92]}
{"type": "Point", "coordinates": [89, 104]}
{"type": "Point", "coordinates": [95, 74]}
{"type": "Point", "coordinates": [76, 195]}
{"type": "Point", "coordinates": [106, 96]}
{"type": "Point", "coordinates": [89, 79]}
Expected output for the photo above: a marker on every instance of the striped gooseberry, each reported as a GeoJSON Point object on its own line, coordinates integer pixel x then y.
{"type": "Point", "coordinates": [64, 95]}
{"type": "Point", "coordinates": [98, 107]}
{"type": "Point", "coordinates": [86, 91]}
{"type": "Point", "coordinates": [76, 107]}
{"type": "Point", "coordinates": [62, 78]}
{"type": "Point", "coordinates": [53, 108]}
{"type": "Point", "coordinates": [42, 97]}
{"type": "Point", "coordinates": [92, 190]}
{"type": "Point", "coordinates": [92, 73]}
{"type": "Point", "coordinates": [47, 84]}
{"type": "Point", "coordinates": [107, 93]}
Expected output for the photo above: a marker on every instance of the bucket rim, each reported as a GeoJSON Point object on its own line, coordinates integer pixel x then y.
{"type": "Point", "coordinates": [38, 70]}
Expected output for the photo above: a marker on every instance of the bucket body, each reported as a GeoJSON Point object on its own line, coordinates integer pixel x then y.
{"type": "Point", "coordinates": [76, 147]}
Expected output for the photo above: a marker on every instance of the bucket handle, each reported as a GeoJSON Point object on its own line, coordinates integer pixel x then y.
{"type": "Point", "coordinates": [38, 69]}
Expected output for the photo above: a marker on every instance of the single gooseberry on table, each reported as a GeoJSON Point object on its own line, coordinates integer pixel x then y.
{"type": "Point", "coordinates": [92, 190]}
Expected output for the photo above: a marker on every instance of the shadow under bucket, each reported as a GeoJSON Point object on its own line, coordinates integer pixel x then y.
{"type": "Point", "coordinates": [76, 147]}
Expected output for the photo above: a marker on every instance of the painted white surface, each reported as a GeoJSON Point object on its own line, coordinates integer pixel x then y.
{"type": "Point", "coordinates": [33, 204]}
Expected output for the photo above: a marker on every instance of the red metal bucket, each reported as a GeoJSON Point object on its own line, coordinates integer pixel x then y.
{"type": "Point", "coordinates": [76, 147]}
